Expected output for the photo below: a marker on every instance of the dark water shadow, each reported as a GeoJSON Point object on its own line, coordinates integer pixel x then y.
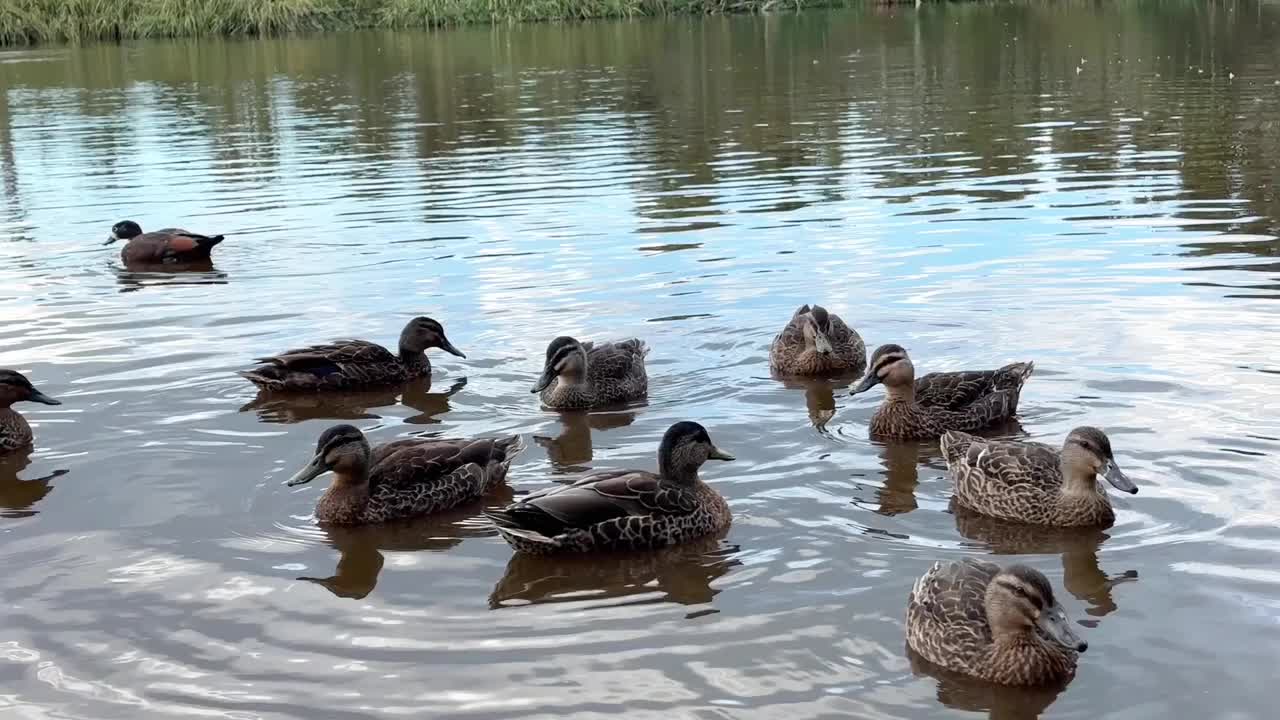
{"type": "Point", "coordinates": [683, 574]}
{"type": "Point", "coordinates": [573, 447]}
{"type": "Point", "coordinates": [360, 549]}
{"type": "Point", "coordinates": [819, 394]}
{"type": "Point", "coordinates": [1082, 574]}
{"type": "Point", "coordinates": [18, 496]}
{"type": "Point", "coordinates": [1000, 702]}
{"type": "Point", "coordinates": [137, 276]}
{"type": "Point", "coordinates": [288, 408]}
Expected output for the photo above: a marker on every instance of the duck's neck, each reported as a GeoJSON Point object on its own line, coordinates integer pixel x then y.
{"type": "Point", "coordinates": [905, 394]}
{"type": "Point", "coordinates": [1025, 658]}
{"type": "Point", "coordinates": [414, 359]}
{"type": "Point", "coordinates": [343, 502]}
{"type": "Point", "coordinates": [678, 473]}
{"type": "Point", "coordinates": [1079, 483]}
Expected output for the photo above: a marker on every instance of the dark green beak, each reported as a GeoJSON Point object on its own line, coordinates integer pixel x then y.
{"type": "Point", "coordinates": [1118, 479]}
{"type": "Point", "coordinates": [547, 376]}
{"type": "Point", "coordinates": [37, 396]}
{"type": "Point", "coordinates": [313, 470]}
{"type": "Point", "coordinates": [448, 347]}
{"type": "Point", "coordinates": [868, 382]}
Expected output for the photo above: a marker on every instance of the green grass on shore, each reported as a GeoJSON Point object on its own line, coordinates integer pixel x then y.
{"type": "Point", "coordinates": [41, 21]}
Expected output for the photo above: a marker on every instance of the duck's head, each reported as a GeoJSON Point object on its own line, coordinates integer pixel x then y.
{"type": "Point", "coordinates": [342, 449]}
{"type": "Point", "coordinates": [422, 333]}
{"type": "Point", "coordinates": [1087, 452]}
{"type": "Point", "coordinates": [565, 358]}
{"type": "Point", "coordinates": [685, 447]}
{"type": "Point", "coordinates": [1020, 599]}
{"type": "Point", "coordinates": [816, 325]}
{"type": "Point", "coordinates": [124, 230]}
{"type": "Point", "coordinates": [890, 365]}
{"type": "Point", "coordinates": [15, 387]}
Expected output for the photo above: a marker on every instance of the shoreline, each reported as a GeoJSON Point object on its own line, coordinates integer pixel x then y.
{"type": "Point", "coordinates": [50, 22]}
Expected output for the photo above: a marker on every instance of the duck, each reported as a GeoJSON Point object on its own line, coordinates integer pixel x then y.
{"type": "Point", "coordinates": [402, 479]}
{"type": "Point", "coordinates": [923, 409]}
{"type": "Point", "coordinates": [817, 342]}
{"type": "Point", "coordinates": [1034, 483]}
{"type": "Point", "coordinates": [170, 245]}
{"type": "Point", "coordinates": [1001, 625]}
{"type": "Point", "coordinates": [578, 375]}
{"type": "Point", "coordinates": [15, 432]}
{"type": "Point", "coordinates": [624, 509]}
{"type": "Point", "coordinates": [350, 364]}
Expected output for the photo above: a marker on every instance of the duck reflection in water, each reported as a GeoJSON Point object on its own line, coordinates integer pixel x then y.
{"type": "Point", "coordinates": [569, 450]}
{"type": "Point", "coordinates": [681, 574]}
{"type": "Point", "coordinates": [1081, 573]}
{"type": "Point", "coordinates": [18, 496]}
{"type": "Point", "coordinates": [361, 547]}
{"type": "Point", "coordinates": [138, 276]}
{"type": "Point", "coordinates": [288, 408]}
{"type": "Point", "coordinates": [819, 395]}
{"type": "Point", "coordinates": [902, 461]}
{"type": "Point", "coordinates": [1000, 702]}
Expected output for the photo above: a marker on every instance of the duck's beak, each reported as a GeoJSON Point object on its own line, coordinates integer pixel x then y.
{"type": "Point", "coordinates": [1118, 479]}
{"type": "Point", "coordinates": [313, 470]}
{"type": "Point", "coordinates": [718, 454]}
{"type": "Point", "coordinates": [868, 382]}
{"type": "Point", "coordinates": [110, 239]}
{"type": "Point", "coordinates": [1053, 621]}
{"type": "Point", "coordinates": [37, 396]}
{"type": "Point", "coordinates": [544, 380]}
{"type": "Point", "coordinates": [821, 344]}
{"type": "Point", "coordinates": [448, 347]}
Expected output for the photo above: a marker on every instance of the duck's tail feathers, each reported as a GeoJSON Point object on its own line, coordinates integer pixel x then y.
{"type": "Point", "coordinates": [955, 445]}
{"type": "Point", "coordinates": [519, 537]}
{"type": "Point", "coordinates": [261, 377]}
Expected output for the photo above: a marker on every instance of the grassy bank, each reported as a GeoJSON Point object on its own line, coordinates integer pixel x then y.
{"type": "Point", "coordinates": [40, 21]}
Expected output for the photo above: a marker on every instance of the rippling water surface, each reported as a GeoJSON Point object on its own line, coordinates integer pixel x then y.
{"type": "Point", "coordinates": [1090, 186]}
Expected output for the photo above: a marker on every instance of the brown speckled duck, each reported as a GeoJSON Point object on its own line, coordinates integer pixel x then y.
{"type": "Point", "coordinates": [351, 364]}
{"type": "Point", "coordinates": [170, 245]}
{"type": "Point", "coordinates": [1000, 625]}
{"type": "Point", "coordinates": [925, 408]}
{"type": "Point", "coordinates": [817, 342]}
{"type": "Point", "coordinates": [15, 433]}
{"type": "Point", "coordinates": [580, 375]}
{"type": "Point", "coordinates": [1035, 483]}
{"type": "Point", "coordinates": [403, 478]}
{"type": "Point", "coordinates": [627, 509]}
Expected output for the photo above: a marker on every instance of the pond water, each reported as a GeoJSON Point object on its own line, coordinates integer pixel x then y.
{"type": "Point", "coordinates": [1089, 186]}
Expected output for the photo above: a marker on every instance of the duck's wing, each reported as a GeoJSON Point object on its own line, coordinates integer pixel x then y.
{"type": "Point", "coordinates": [954, 390]}
{"type": "Point", "coordinates": [594, 499]}
{"type": "Point", "coordinates": [459, 464]}
{"type": "Point", "coordinates": [998, 464]}
{"type": "Point", "coordinates": [616, 360]}
{"type": "Point", "coordinates": [330, 357]}
{"type": "Point", "coordinates": [952, 595]}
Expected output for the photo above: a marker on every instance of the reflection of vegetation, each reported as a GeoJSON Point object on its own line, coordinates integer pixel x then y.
{"type": "Point", "coordinates": [782, 112]}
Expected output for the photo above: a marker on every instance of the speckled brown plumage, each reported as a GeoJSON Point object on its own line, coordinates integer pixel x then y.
{"type": "Point", "coordinates": [15, 431]}
{"type": "Point", "coordinates": [586, 375]}
{"type": "Point", "coordinates": [624, 510]}
{"type": "Point", "coordinates": [170, 245]}
{"type": "Point", "coordinates": [1032, 482]}
{"type": "Point", "coordinates": [404, 478]}
{"type": "Point", "coordinates": [351, 364]}
{"type": "Point", "coordinates": [969, 616]}
{"type": "Point", "coordinates": [817, 342]}
{"type": "Point", "coordinates": [937, 402]}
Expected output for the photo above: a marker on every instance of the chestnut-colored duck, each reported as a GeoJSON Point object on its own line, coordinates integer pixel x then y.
{"type": "Point", "coordinates": [169, 245]}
